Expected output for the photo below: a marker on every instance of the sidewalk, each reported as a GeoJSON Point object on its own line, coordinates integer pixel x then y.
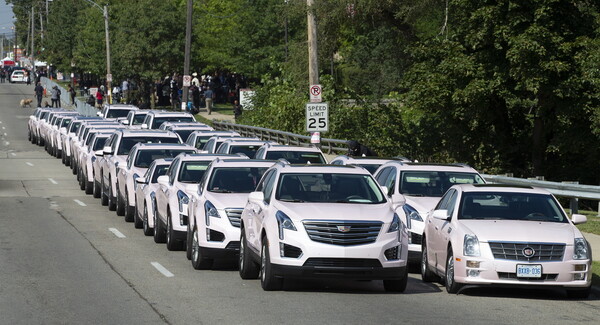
{"type": "Point", "coordinates": [594, 241]}
{"type": "Point", "coordinates": [215, 115]}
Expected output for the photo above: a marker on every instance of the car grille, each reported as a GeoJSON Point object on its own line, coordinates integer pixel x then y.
{"type": "Point", "coordinates": [513, 276]}
{"type": "Point", "coordinates": [234, 215]}
{"type": "Point", "coordinates": [342, 262]}
{"type": "Point", "coordinates": [544, 252]}
{"type": "Point", "coordinates": [416, 238]}
{"type": "Point", "coordinates": [358, 233]}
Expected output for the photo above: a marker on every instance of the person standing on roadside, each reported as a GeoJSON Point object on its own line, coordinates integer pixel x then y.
{"type": "Point", "coordinates": [208, 97]}
{"type": "Point", "coordinates": [125, 90]}
{"type": "Point", "coordinates": [237, 109]}
{"type": "Point", "coordinates": [72, 94]}
{"type": "Point", "coordinates": [2, 75]}
{"type": "Point", "coordinates": [55, 96]}
{"type": "Point", "coordinates": [39, 92]}
{"type": "Point", "coordinates": [27, 78]}
{"type": "Point", "coordinates": [99, 97]}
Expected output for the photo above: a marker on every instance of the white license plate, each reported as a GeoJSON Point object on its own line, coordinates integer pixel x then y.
{"type": "Point", "coordinates": [529, 271]}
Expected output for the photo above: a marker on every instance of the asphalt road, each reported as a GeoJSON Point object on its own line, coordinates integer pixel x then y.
{"type": "Point", "coordinates": [61, 262]}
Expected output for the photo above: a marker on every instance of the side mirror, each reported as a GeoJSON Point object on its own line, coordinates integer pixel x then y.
{"type": "Point", "coordinates": [99, 153]}
{"type": "Point", "coordinates": [124, 122]}
{"type": "Point", "coordinates": [578, 219]}
{"type": "Point", "coordinates": [440, 214]}
{"type": "Point", "coordinates": [258, 200]}
{"type": "Point", "coordinates": [31, 117]}
{"type": "Point", "coordinates": [107, 150]}
{"type": "Point", "coordinates": [144, 126]}
{"type": "Point", "coordinates": [99, 113]}
{"type": "Point", "coordinates": [398, 200]}
{"type": "Point", "coordinates": [140, 180]}
{"type": "Point", "coordinates": [54, 127]}
{"type": "Point", "coordinates": [385, 190]}
{"type": "Point", "coordinates": [163, 180]}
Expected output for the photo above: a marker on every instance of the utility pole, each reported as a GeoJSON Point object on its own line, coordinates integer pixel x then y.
{"type": "Point", "coordinates": [42, 30]}
{"type": "Point", "coordinates": [108, 73]}
{"type": "Point", "coordinates": [188, 49]}
{"type": "Point", "coordinates": [313, 64]}
{"type": "Point", "coordinates": [32, 36]}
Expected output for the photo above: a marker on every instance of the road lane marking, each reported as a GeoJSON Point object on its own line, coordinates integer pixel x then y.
{"type": "Point", "coordinates": [116, 232]}
{"type": "Point", "coordinates": [13, 154]}
{"type": "Point", "coordinates": [3, 128]}
{"type": "Point", "coordinates": [29, 164]}
{"type": "Point", "coordinates": [5, 134]}
{"type": "Point", "coordinates": [162, 270]}
{"type": "Point", "coordinates": [52, 181]}
{"type": "Point", "coordinates": [80, 203]}
{"type": "Point", "coordinates": [6, 143]}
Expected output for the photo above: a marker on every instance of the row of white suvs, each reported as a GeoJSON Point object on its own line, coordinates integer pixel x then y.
{"type": "Point", "coordinates": [285, 213]}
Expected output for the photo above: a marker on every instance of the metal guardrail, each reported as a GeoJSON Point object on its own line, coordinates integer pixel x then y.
{"type": "Point", "coordinates": [81, 107]}
{"type": "Point", "coordinates": [586, 192]}
{"type": "Point", "coordinates": [329, 146]}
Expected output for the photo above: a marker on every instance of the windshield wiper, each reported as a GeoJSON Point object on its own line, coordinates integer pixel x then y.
{"type": "Point", "coordinates": [292, 200]}
{"type": "Point", "coordinates": [220, 191]}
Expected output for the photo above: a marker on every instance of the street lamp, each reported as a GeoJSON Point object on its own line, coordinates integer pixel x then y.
{"type": "Point", "coordinates": [104, 10]}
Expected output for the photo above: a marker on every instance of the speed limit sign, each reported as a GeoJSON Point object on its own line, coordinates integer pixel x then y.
{"type": "Point", "coordinates": [317, 117]}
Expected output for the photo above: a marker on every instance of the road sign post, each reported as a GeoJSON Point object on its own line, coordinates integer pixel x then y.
{"type": "Point", "coordinates": [317, 117]}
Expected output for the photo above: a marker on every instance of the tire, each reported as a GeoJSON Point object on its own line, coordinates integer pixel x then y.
{"type": "Point", "coordinates": [172, 243]}
{"type": "Point", "coordinates": [74, 166]}
{"type": "Point", "coordinates": [451, 285]}
{"type": "Point", "coordinates": [103, 194]}
{"type": "Point", "coordinates": [137, 220]}
{"type": "Point", "coordinates": [426, 274]}
{"type": "Point", "coordinates": [112, 204]}
{"type": "Point", "coordinates": [97, 192]}
{"type": "Point", "coordinates": [579, 293]}
{"type": "Point", "coordinates": [248, 268]}
{"type": "Point", "coordinates": [397, 285]}
{"type": "Point", "coordinates": [159, 232]}
{"type": "Point", "coordinates": [188, 243]}
{"type": "Point", "coordinates": [267, 280]}
{"type": "Point", "coordinates": [120, 203]}
{"type": "Point", "coordinates": [89, 187]}
{"type": "Point", "coordinates": [198, 261]}
{"type": "Point", "coordinates": [147, 230]}
{"type": "Point", "coordinates": [81, 180]}
{"type": "Point", "coordinates": [129, 217]}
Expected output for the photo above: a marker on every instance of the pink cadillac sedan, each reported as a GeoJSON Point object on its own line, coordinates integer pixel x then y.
{"type": "Point", "coordinates": [482, 234]}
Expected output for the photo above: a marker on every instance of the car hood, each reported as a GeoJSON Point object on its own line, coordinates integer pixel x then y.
{"type": "Point", "coordinates": [521, 231]}
{"type": "Point", "coordinates": [227, 200]}
{"type": "Point", "coordinates": [337, 211]}
{"type": "Point", "coordinates": [422, 204]}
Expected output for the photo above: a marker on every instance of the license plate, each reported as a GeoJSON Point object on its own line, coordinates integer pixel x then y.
{"type": "Point", "coordinates": [529, 271]}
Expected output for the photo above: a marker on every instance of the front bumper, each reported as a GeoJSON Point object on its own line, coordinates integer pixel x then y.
{"type": "Point", "coordinates": [344, 272]}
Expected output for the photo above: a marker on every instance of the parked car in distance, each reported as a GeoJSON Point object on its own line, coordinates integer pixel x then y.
{"type": "Point", "coordinates": [292, 154]}
{"type": "Point", "coordinates": [199, 138]}
{"type": "Point", "coordinates": [422, 185]}
{"type": "Point", "coordinates": [369, 163]}
{"type": "Point", "coordinates": [215, 142]}
{"type": "Point", "coordinates": [135, 118]}
{"type": "Point", "coordinates": [505, 235]}
{"type": "Point", "coordinates": [154, 119]}
{"type": "Point", "coordinates": [17, 76]}
{"type": "Point", "coordinates": [214, 221]}
{"type": "Point", "coordinates": [315, 221]}
{"type": "Point", "coordinates": [239, 145]}
{"type": "Point", "coordinates": [145, 191]}
{"type": "Point", "coordinates": [116, 111]}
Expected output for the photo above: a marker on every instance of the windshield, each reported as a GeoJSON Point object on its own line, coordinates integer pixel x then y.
{"type": "Point", "coordinates": [192, 171]}
{"type": "Point", "coordinates": [115, 113]}
{"type": "Point", "coordinates": [146, 157]}
{"type": "Point", "coordinates": [510, 206]}
{"type": "Point", "coordinates": [128, 143]}
{"type": "Point", "coordinates": [235, 180]}
{"type": "Point", "coordinates": [159, 171]}
{"type": "Point", "coordinates": [296, 157]}
{"type": "Point", "coordinates": [432, 183]}
{"type": "Point", "coordinates": [160, 120]}
{"type": "Point", "coordinates": [65, 123]}
{"type": "Point", "coordinates": [184, 134]}
{"type": "Point", "coordinates": [329, 188]}
{"type": "Point", "coordinates": [138, 119]}
{"type": "Point", "coordinates": [99, 144]}
{"type": "Point", "coordinates": [248, 150]}
{"type": "Point", "coordinates": [75, 126]}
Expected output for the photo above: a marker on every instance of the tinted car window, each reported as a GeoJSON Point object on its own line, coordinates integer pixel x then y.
{"type": "Point", "coordinates": [433, 183]}
{"type": "Point", "coordinates": [296, 157]}
{"type": "Point", "coordinates": [128, 142]}
{"type": "Point", "coordinates": [183, 134]}
{"type": "Point", "coordinates": [99, 144]}
{"type": "Point", "coordinates": [115, 113]}
{"type": "Point", "coordinates": [138, 119]}
{"type": "Point", "coordinates": [235, 180]}
{"type": "Point", "coordinates": [192, 171]}
{"type": "Point", "coordinates": [160, 120]}
{"type": "Point", "coordinates": [159, 171]}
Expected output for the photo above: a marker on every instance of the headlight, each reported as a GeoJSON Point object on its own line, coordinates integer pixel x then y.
{"type": "Point", "coordinates": [183, 199]}
{"type": "Point", "coordinates": [581, 249]}
{"type": "Point", "coordinates": [411, 214]}
{"type": "Point", "coordinates": [210, 211]}
{"type": "Point", "coordinates": [284, 222]}
{"type": "Point", "coordinates": [395, 224]}
{"type": "Point", "coordinates": [471, 245]}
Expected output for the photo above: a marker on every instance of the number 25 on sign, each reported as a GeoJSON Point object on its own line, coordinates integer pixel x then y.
{"type": "Point", "coordinates": [317, 117]}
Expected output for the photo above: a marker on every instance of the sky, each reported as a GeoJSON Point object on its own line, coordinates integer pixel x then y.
{"type": "Point", "coordinates": [6, 20]}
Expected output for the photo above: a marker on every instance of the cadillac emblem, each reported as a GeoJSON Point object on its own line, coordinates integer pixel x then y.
{"type": "Point", "coordinates": [344, 228]}
{"type": "Point", "coordinates": [528, 252]}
